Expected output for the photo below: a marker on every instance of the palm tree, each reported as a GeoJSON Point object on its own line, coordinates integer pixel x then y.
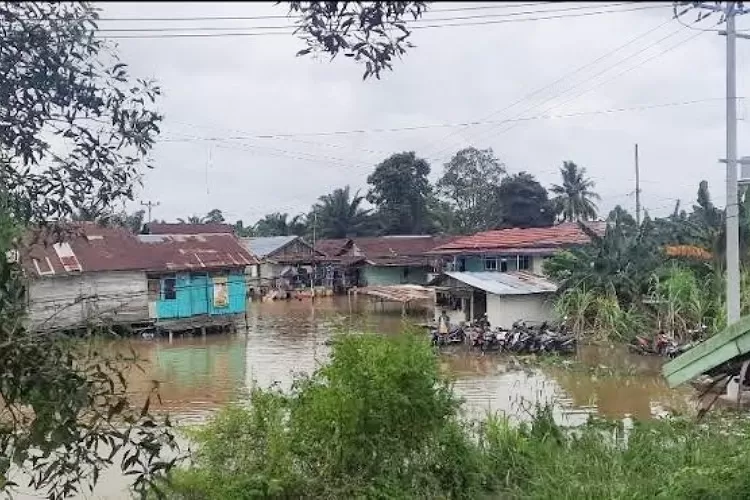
{"type": "Point", "coordinates": [575, 198]}
{"type": "Point", "coordinates": [279, 224]}
{"type": "Point", "coordinates": [193, 219]}
{"type": "Point", "coordinates": [339, 215]}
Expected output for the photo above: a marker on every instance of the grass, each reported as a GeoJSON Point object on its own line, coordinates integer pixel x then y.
{"type": "Point", "coordinates": [380, 421]}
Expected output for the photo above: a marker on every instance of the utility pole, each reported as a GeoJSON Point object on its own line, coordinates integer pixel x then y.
{"type": "Point", "coordinates": [733, 229]}
{"type": "Point", "coordinates": [730, 10]}
{"type": "Point", "coordinates": [314, 270]}
{"type": "Point", "coordinates": [637, 189]}
{"type": "Point", "coordinates": [149, 206]}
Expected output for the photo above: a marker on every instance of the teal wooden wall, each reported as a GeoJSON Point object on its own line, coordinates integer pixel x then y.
{"type": "Point", "coordinates": [476, 263]}
{"type": "Point", "coordinates": [195, 296]}
{"type": "Point", "coordinates": [393, 275]}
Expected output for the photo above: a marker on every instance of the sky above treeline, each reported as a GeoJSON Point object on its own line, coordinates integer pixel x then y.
{"type": "Point", "coordinates": [250, 129]}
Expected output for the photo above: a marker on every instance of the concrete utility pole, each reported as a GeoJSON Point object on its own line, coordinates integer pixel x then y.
{"type": "Point", "coordinates": [730, 10]}
{"type": "Point", "coordinates": [732, 215]}
{"type": "Point", "coordinates": [149, 206]}
{"type": "Point", "coordinates": [637, 189]}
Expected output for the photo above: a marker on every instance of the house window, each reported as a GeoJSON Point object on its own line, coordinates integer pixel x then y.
{"type": "Point", "coordinates": [490, 264]}
{"type": "Point", "coordinates": [153, 289]}
{"type": "Point", "coordinates": [524, 262]}
{"type": "Point", "coordinates": [170, 288]}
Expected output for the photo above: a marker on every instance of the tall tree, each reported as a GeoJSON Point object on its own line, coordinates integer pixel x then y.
{"type": "Point", "coordinates": [75, 129]}
{"type": "Point", "coordinates": [279, 224]}
{"type": "Point", "coordinates": [400, 190]}
{"type": "Point", "coordinates": [469, 184]}
{"type": "Point", "coordinates": [340, 215]}
{"type": "Point", "coordinates": [214, 215]}
{"type": "Point", "coordinates": [372, 33]}
{"type": "Point", "coordinates": [132, 222]}
{"type": "Point", "coordinates": [520, 201]}
{"type": "Point", "coordinates": [243, 231]}
{"type": "Point", "coordinates": [574, 200]}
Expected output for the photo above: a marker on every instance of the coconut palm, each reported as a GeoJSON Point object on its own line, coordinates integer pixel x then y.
{"type": "Point", "coordinates": [279, 224]}
{"type": "Point", "coordinates": [193, 219]}
{"type": "Point", "coordinates": [574, 200]}
{"type": "Point", "coordinates": [340, 215]}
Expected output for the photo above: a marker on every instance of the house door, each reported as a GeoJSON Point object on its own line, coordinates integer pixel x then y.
{"type": "Point", "coordinates": [479, 298]}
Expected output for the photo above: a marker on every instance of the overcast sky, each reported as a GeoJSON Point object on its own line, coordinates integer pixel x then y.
{"type": "Point", "coordinates": [220, 92]}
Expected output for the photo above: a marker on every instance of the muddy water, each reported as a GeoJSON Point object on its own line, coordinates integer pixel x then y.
{"type": "Point", "coordinates": [198, 375]}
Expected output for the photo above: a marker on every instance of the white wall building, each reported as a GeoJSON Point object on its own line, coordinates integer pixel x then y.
{"type": "Point", "coordinates": [505, 297]}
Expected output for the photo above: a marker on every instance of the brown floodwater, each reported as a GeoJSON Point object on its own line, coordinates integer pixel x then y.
{"type": "Point", "coordinates": [198, 375]}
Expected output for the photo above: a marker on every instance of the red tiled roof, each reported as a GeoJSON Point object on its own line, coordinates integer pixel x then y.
{"type": "Point", "coordinates": [90, 248]}
{"type": "Point", "coordinates": [178, 228]}
{"type": "Point", "coordinates": [564, 234]}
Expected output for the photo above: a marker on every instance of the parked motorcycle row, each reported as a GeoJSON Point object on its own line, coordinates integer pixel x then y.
{"type": "Point", "coordinates": [520, 339]}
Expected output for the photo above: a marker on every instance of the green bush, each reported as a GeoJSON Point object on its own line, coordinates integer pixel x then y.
{"type": "Point", "coordinates": [380, 422]}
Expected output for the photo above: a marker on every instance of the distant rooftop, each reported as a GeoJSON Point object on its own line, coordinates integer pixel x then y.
{"type": "Point", "coordinates": [561, 235]}
{"type": "Point", "coordinates": [263, 246]}
{"type": "Point", "coordinates": [179, 228]}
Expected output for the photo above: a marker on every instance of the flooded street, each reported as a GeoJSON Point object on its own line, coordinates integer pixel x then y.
{"type": "Point", "coordinates": [198, 375]}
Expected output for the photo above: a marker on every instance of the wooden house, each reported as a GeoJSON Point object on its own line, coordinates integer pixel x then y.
{"type": "Point", "coordinates": [392, 260]}
{"type": "Point", "coordinates": [99, 275]}
{"type": "Point", "coordinates": [514, 249]}
{"type": "Point", "coordinates": [200, 279]}
{"type": "Point", "coordinates": [285, 263]}
{"type": "Point", "coordinates": [96, 275]}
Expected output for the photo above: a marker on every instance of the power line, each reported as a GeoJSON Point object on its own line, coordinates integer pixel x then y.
{"type": "Point", "coordinates": [421, 20]}
{"type": "Point", "coordinates": [659, 54]}
{"type": "Point", "coordinates": [105, 32]}
{"type": "Point", "coordinates": [562, 78]}
{"type": "Point", "coordinates": [574, 87]}
{"type": "Point", "coordinates": [287, 16]}
{"type": "Point", "coordinates": [444, 125]}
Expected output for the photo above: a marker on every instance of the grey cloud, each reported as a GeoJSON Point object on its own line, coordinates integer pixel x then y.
{"type": "Point", "coordinates": [220, 87]}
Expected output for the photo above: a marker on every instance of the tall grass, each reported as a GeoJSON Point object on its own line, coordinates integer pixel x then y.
{"type": "Point", "coordinates": [379, 421]}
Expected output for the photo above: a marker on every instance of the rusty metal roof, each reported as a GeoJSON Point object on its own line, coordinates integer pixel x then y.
{"type": "Point", "coordinates": [198, 251]}
{"type": "Point", "coordinates": [510, 283]}
{"type": "Point", "coordinates": [410, 250]}
{"type": "Point", "coordinates": [89, 247]}
{"type": "Point", "coordinates": [85, 247]}
{"type": "Point", "coordinates": [332, 247]}
{"type": "Point", "coordinates": [179, 228]}
{"type": "Point", "coordinates": [565, 234]}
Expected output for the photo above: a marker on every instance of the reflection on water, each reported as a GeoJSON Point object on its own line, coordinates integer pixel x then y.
{"type": "Point", "coordinates": [197, 375]}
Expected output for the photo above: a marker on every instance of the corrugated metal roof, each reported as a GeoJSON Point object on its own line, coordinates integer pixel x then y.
{"type": "Point", "coordinates": [511, 283]}
{"type": "Point", "coordinates": [332, 247]}
{"type": "Point", "coordinates": [91, 248]}
{"type": "Point", "coordinates": [196, 251]}
{"type": "Point", "coordinates": [263, 246]}
{"type": "Point", "coordinates": [180, 228]}
{"type": "Point", "coordinates": [568, 233]}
